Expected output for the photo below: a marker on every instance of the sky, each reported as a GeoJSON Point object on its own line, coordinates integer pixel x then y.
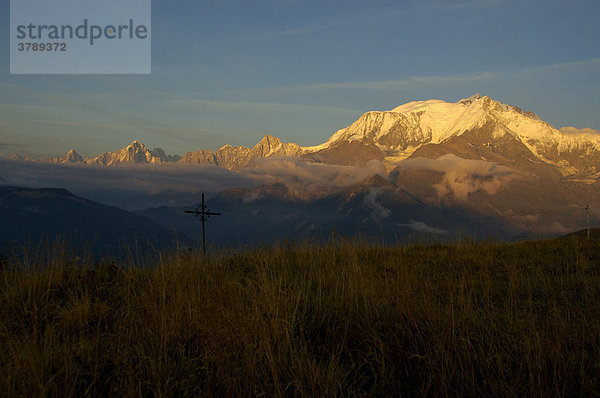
{"type": "Point", "coordinates": [230, 71]}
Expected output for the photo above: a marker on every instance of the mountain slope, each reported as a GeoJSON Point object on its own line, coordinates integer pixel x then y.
{"type": "Point", "coordinates": [32, 215]}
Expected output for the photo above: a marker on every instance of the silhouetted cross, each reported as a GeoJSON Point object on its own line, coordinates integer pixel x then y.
{"type": "Point", "coordinates": [204, 213]}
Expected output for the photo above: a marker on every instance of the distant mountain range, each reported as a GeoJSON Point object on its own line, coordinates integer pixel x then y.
{"type": "Point", "coordinates": [478, 166]}
{"type": "Point", "coordinates": [473, 128]}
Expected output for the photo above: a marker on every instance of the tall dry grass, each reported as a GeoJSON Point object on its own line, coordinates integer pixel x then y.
{"type": "Point", "coordinates": [469, 319]}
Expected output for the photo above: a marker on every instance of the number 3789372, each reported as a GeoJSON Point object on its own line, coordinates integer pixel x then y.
{"type": "Point", "coordinates": [39, 47]}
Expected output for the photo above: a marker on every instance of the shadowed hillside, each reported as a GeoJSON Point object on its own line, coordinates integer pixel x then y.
{"type": "Point", "coordinates": [28, 216]}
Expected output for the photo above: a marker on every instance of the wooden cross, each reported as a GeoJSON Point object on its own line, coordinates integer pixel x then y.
{"type": "Point", "coordinates": [204, 213]}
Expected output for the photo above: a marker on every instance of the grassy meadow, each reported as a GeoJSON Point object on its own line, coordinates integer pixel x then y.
{"type": "Point", "coordinates": [464, 319]}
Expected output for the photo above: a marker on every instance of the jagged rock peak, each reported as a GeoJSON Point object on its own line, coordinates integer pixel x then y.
{"type": "Point", "coordinates": [73, 157]}
{"type": "Point", "coordinates": [136, 152]}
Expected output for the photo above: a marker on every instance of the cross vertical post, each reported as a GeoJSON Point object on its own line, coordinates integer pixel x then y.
{"type": "Point", "coordinates": [587, 216]}
{"type": "Point", "coordinates": [203, 230]}
{"type": "Point", "coordinates": [204, 213]}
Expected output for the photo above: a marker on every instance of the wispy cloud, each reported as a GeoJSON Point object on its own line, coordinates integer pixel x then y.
{"type": "Point", "coordinates": [391, 85]}
{"type": "Point", "coordinates": [419, 226]}
{"type": "Point", "coordinates": [357, 16]}
{"type": "Point", "coordinates": [441, 80]}
{"type": "Point", "coordinates": [378, 211]}
{"type": "Point", "coordinates": [10, 145]}
{"type": "Point", "coordinates": [301, 30]}
{"type": "Point", "coordinates": [170, 130]}
{"type": "Point", "coordinates": [72, 101]}
{"type": "Point", "coordinates": [470, 3]}
{"type": "Point", "coordinates": [373, 11]}
{"type": "Point", "coordinates": [266, 107]}
{"type": "Point", "coordinates": [557, 67]}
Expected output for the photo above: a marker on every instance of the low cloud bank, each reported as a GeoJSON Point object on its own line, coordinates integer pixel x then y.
{"type": "Point", "coordinates": [136, 187]}
{"type": "Point", "coordinates": [131, 187]}
{"type": "Point", "coordinates": [308, 180]}
{"type": "Point", "coordinates": [463, 176]}
{"type": "Point", "coordinates": [570, 130]}
{"type": "Point", "coordinates": [140, 186]}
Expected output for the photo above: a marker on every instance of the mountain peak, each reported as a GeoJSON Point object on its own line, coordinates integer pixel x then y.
{"type": "Point", "coordinates": [399, 132]}
{"type": "Point", "coordinates": [272, 146]}
{"type": "Point", "coordinates": [136, 144]}
{"type": "Point", "coordinates": [267, 146]}
{"type": "Point", "coordinates": [270, 139]}
{"type": "Point", "coordinates": [72, 157]}
{"type": "Point", "coordinates": [471, 99]}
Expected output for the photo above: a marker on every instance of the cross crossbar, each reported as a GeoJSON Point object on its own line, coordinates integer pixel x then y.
{"type": "Point", "coordinates": [204, 214]}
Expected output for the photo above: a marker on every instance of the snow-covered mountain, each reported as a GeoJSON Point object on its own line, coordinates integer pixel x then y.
{"type": "Point", "coordinates": [397, 134]}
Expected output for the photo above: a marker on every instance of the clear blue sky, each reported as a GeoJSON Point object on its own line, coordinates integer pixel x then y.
{"type": "Point", "coordinates": [230, 71]}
